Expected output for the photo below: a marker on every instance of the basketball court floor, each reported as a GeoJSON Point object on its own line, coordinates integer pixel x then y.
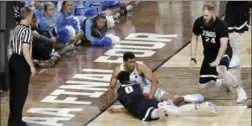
{"type": "Point", "coordinates": [158, 33]}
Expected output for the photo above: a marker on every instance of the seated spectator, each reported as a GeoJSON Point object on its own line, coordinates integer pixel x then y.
{"type": "Point", "coordinates": [94, 4]}
{"type": "Point", "coordinates": [103, 7]}
{"type": "Point", "coordinates": [42, 48]}
{"type": "Point", "coordinates": [17, 5]}
{"type": "Point", "coordinates": [48, 23]}
{"type": "Point", "coordinates": [94, 30]}
{"type": "Point", "coordinates": [66, 11]}
{"type": "Point", "coordinates": [116, 8]}
{"type": "Point", "coordinates": [78, 10]}
{"type": "Point", "coordinates": [39, 39]}
{"type": "Point", "coordinates": [38, 9]}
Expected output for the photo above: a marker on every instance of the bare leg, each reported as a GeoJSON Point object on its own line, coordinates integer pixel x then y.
{"type": "Point", "coordinates": [192, 98]}
{"type": "Point", "coordinates": [175, 99]}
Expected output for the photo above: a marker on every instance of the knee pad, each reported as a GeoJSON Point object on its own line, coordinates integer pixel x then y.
{"type": "Point", "coordinates": [155, 114]}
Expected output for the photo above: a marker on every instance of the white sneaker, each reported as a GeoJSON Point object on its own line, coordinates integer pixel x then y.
{"type": "Point", "coordinates": [235, 61]}
{"type": "Point", "coordinates": [170, 108]}
{"type": "Point", "coordinates": [129, 7]}
{"type": "Point", "coordinates": [241, 95]}
{"type": "Point", "coordinates": [195, 98]}
{"type": "Point", "coordinates": [212, 107]}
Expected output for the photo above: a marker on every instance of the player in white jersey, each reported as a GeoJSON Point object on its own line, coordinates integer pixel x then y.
{"type": "Point", "coordinates": [141, 73]}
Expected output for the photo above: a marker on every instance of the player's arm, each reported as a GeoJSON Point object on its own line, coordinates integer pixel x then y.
{"type": "Point", "coordinates": [27, 38]}
{"type": "Point", "coordinates": [117, 110]}
{"type": "Point", "coordinates": [194, 39]}
{"type": "Point", "coordinates": [111, 88]}
{"type": "Point", "coordinates": [223, 47]}
{"type": "Point", "coordinates": [223, 33]}
{"type": "Point", "coordinates": [151, 77]}
{"type": "Point", "coordinates": [194, 43]}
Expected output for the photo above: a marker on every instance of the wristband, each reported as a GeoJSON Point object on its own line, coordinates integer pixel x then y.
{"type": "Point", "coordinates": [194, 60]}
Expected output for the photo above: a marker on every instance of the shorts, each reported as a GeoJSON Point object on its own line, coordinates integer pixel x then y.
{"type": "Point", "coordinates": [145, 108]}
{"type": "Point", "coordinates": [146, 90]}
{"type": "Point", "coordinates": [237, 17]}
{"type": "Point", "coordinates": [208, 73]}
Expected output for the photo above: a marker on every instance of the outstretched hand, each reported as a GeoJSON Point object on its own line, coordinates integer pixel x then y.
{"type": "Point", "coordinates": [103, 107]}
{"type": "Point", "coordinates": [192, 64]}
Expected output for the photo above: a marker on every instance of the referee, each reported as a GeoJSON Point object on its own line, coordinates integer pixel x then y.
{"type": "Point", "coordinates": [21, 66]}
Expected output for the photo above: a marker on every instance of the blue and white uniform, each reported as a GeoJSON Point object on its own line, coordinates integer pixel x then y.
{"type": "Point", "coordinates": [135, 78]}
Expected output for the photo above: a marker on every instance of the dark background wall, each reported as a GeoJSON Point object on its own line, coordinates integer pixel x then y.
{"type": "Point", "coordinates": [7, 21]}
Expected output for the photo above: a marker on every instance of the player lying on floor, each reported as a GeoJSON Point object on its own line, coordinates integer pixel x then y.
{"type": "Point", "coordinates": [131, 97]}
{"type": "Point", "coordinates": [141, 74]}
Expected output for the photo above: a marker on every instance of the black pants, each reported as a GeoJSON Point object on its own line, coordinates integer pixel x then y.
{"type": "Point", "coordinates": [42, 48]}
{"type": "Point", "coordinates": [19, 81]}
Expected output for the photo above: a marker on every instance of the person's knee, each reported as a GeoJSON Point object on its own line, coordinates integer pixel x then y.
{"type": "Point", "coordinates": [155, 114]}
{"type": "Point", "coordinates": [176, 99]}
{"type": "Point", "coordinates": [207, 80]}
{"type": "Point", "coordinates": [207, 84]}
{"type": "Point", "coordinates": [166, 96]}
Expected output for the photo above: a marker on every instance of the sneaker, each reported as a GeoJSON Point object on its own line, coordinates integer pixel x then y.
{"type": "Point", "coordinates": [170, 108]}
{"type": "Point", "coordinates": [241, 95]}
{"type": "Point", "coordinates": [195, 98]}
{"type": "Point", "coordinates": [18, 124]}
{"type": "Point", "coordinates": [212, 107]}
{"type": "Point", "coordinates": [129, 8]}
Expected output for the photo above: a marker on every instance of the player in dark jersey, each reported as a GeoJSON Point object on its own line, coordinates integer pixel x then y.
{"type": "Point", "coordinates": [238, 18]}
{"type": "Point", "coordinates": [217, 52]}
{"type": "Point", "coordinates": [131, 97]}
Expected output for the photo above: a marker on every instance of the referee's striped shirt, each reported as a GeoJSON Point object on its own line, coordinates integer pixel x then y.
{"type": "Point", "coordinates": [19, 35]}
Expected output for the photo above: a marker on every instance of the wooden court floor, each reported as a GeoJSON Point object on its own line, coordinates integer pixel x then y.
{"type": "Point", "coordinates": [70, 94]}
{"type": "Point", "coordinates": [175, 77]}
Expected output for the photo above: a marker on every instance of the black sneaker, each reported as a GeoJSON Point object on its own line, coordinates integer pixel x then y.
{"type": "Point", "coordinates": [18, 124]}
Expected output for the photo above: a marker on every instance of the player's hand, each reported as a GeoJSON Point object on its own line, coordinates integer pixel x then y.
{"type": "Point", "coordinates": [151, 97]}
{"type": "Point", "coordinates": [215, 63]}
{"type": "Point", "coordinates": [112, 110]}
{"type": "Point", "coordinates": [33, 71]}
{"type": "Point", "coordinates": [35, 34]}
{"type": "Point", "coordinates": [192, 64]}
{"type": "Point", "coordinates": [103, 107]}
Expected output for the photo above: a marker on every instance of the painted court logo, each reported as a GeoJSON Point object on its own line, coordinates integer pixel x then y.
{"type": "Point", "coordinates": [90, 84]}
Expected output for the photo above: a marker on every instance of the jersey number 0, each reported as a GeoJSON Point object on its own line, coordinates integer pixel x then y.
{"type": "Point", "coordinates": [128, 89]}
